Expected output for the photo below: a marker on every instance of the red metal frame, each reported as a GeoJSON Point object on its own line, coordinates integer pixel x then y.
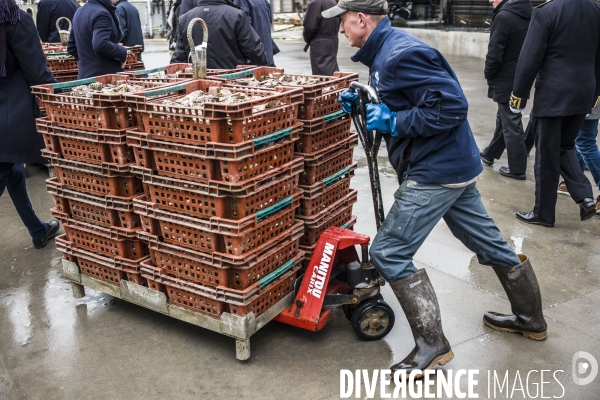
{"type": "Point", "coordinates": [335, 245]}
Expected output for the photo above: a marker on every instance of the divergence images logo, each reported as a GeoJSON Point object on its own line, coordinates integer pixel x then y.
{"type": "Point", "coordinates": [583, 363]}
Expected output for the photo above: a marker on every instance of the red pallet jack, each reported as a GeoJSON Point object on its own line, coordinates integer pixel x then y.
{"type": "Point", "coordinates": [335, 275]}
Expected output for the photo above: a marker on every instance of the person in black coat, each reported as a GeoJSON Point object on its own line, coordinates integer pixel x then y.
{"type": "Point", "coordinates": [48, 12]}
{"type": "Point", "coordinates": [95, 39]}
{"type": "Point", "coordinates": [321, 35]}
{"type": "Point", "coordinates": [22, 64]}
{"type": "Point", "coordinates": [510, 24]}
{"type": "Point", "coordinates": [231, 39]}
{"type": "Point", "coordinates": [562, 54]}
{"type": "Point", "coordinates": [129, 18]}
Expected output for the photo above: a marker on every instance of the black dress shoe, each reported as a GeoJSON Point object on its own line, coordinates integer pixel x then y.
{"type": "Point", "coordinates": [505, 171]}
{"type": "Point", "coordinates": [485, 160]}
{"type": "Point", "coordinates": [53, 227]}
{"type": "Point", "coordinates": [530, 218]}
{"type": "Point", "coordinates": [587, 209]}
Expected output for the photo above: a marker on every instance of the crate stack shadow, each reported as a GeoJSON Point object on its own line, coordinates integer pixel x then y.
{"type": "Point", "coordinates": [94, 188]}
{"type": "Point", "coordinates": [326, 146]}
{"type": "Point", "coordinates": [221, 193]}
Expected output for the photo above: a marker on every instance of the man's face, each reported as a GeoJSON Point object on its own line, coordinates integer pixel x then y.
{"type": "Point", "coordinates": [495, 3]}
{"type": "Point", "coordinates": [352, 26]}
{"type": "Point", "coordinates": [114, 2]}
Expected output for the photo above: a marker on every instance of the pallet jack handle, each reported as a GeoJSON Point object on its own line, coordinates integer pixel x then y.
{"type": "Point", "coordinates": [371, 140]}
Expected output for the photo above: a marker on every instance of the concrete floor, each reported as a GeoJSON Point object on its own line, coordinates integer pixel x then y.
{"type": "Point", "coordinates": [53, 346]}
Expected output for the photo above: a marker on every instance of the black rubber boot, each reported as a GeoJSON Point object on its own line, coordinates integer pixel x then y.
{"type": "Point", "coordinates": [521, 287]}
{"type": "Point", "coordinates": [419, 302]}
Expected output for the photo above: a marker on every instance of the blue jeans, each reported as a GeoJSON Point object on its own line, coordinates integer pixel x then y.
{"type": "Point", "coordinates": [587, 148]}
{"type": "Point", "coordinates": [12, 176]}
{"type": "Point", "coordinates": [417, 209]}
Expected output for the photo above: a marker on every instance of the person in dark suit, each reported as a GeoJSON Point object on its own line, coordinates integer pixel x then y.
{"type": "Point", "coordinates": [22, 64]}
{"type": "Point", "coordinates": [95, 38]}
{"type": "Point", "coordinates": [48, 12]}
{"type": "Point", "coordinates": [129, 19]}
{"type": "Point", "coordinates": [231, 40]}
{"type": "Point", "coordinates": [321, 35]}
{"type": "Point", "coordinates": [511, 20]}
{"type": "Point", "coordinates": [562, 54]}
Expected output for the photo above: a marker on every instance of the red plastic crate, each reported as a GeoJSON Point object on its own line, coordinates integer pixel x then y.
{"type": "Point", "coordinates": [320, 99]}
{"type": "Point", "coordinates": [101, 111]}
{"type": "Point", "coordinates": [236, 237]}
{"type": "Point", "coordinates": [221, 199]}
{"type": "Point", "coordinates": [310, 249]}
{"type": "Point", "coordinates": [216, 122]}
{"type": "Point", "coordinates": [182, 70]}
{"type": "Point", "coordinates": [112, 242]}
{"type": "Point", "coordinates": [313, 230]}
{"type": "Point", "coordinates": [321, 195]}
{"type": "Point", "coordinates": [324, 132]}
{"type": "Point", "coordinates": [104, 146]}
{"type": "Point", "coordinates": [110, 270]}
{"type": "Point", "coordinates": [257, 298]}
{"type": "Point", "coordinates": [320, 165]}
{"type": "Point", "coordinates": [104, 211]}
{"type": "Point", "coordinates": [105, 180]}
{"type": "Point", "coordinates": [210, 271]}
{"type": "Point", "coordinates": [218, 162]}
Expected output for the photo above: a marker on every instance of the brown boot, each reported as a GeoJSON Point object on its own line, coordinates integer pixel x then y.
{"type": "Point", "coordinates": [521, 287]}
{"type": "Point", "coordinates": [419, 302]}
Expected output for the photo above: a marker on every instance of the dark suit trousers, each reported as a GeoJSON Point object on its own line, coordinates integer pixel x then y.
{"type": "Point", "coordinates": [508, 135]}
{"type": "Point", "coordinates": [554, 157]}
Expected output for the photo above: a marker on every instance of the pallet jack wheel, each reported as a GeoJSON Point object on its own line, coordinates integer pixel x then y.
{"type": "Point", "coordinates": [349, 309]}
{"type": "Point", "coordinates": [372, 320]}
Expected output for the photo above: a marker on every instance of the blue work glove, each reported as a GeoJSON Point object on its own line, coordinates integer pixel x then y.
{"type": "Point", "coordinates": [380, 118]}
{"type": "Point", "coordinates": [348, 98]}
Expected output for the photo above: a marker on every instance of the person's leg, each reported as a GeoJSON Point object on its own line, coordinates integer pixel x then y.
{"type": "Point", "coordinates": [587, 148]}
{"type": "Point", "coordinates": [12, 176]}
{"type": "Point", "coordinates": [494, 150]}
{"type": "Point", "coordinates": [469, 221]}
{"type": "Point", "coordinates": [577, 183]}
{"type": "Point", "coordinates": [546, 167]}
{"type": "Point", "coordinates": [416, 211]}
{"type": "Point", "coordinates": [514, 138]}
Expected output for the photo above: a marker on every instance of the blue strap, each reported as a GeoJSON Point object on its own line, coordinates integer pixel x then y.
{"type": "Point", "coordinates": [236, 75]}
{"type": "Point", "coordinates": [329, 118]}
{"type": "Point", "coordinates": [336, 177]}
{"type": "Point", "coordinates": [168, 89]}
{"type": "Point", "coordinates": [272, 137]}
{"type": "Point", "coordinates": [73, 83]}
{"type": "Point", "coordinates": [276, 274]}
{"type": "Point", "coordinates": [149, 71]}
{"type": "Point", "coordinates": [274, 208]}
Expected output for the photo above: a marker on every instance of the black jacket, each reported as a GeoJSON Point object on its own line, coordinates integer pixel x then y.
{"type": "Point", "coordinates": [94, 41]}
{"type": "Point", "coordinates": [511, 21]}
{"type": "Point", "coordinates": [48, 12]}
{"type": "Point", "coordinates": [231, 39]}
{"type": "Point", "coordinates": [25, 67]}
{"type": "Point", "coordinates": [129, 18]}
{"type": "Point", "coordinates": [562, 54]}
{"type": "Point", "coordinates": [321, 34]}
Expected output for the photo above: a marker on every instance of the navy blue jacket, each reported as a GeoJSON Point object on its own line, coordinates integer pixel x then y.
{"type": "Point", "coordinates": [48, 12]}
{"type": "Point", "coordinates": [25, 66]}
{"type": "Point", "coordinates": [94, 41]}
{"type": "Point", "coordinates": [435, 143]}
{"type": "Point", "coordinates": [129, 18]}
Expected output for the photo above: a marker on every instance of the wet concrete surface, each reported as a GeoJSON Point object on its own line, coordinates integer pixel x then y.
{"type": "Point", "coordinates": [53, 346]}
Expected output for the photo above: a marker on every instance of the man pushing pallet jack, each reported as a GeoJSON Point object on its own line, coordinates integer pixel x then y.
{"type": "Point", "coordinates": [421, 109]}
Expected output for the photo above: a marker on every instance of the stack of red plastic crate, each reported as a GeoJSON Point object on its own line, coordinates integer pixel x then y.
{"type": "Point", "coordinates": [325, 144]}
{"type": "Point", "coordinates": [94, 188]}
{"type": "Point", "coordinates": [221, 193]}
{"type": "Point", "coordinates": [64, 66]}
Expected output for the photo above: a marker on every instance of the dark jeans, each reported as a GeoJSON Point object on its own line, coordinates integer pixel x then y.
{"type": "Point", "coordinates": [508, 135]}
{"type": "Point", "coordinates": [417, 210]}
{"type": "Point", "coordinates": [12, 176]}
{"type": "Point", "coordinates": [587, 148]}
{"type": "Point", "coordinates": [554, 157]}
